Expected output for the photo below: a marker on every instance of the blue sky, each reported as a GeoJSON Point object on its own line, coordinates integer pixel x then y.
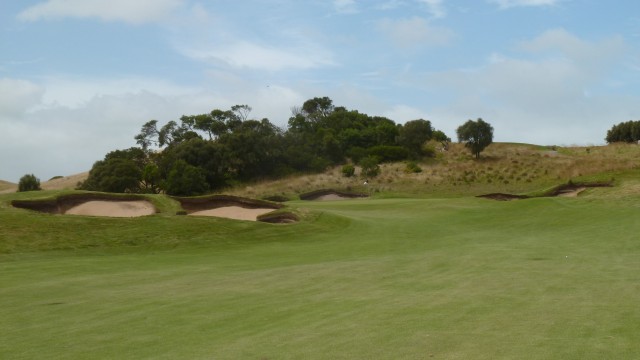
{"type": "Point", "coordinates": [78, 78]}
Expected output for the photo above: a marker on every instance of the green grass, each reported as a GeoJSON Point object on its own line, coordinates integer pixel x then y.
{"type": "Point", "coordinates": [383, 278]}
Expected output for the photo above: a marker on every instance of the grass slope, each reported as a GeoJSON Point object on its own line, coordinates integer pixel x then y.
{"type": "Point", "coordinates": [455, 278]}
{"type": "Point", "coordinates": [444, 276]}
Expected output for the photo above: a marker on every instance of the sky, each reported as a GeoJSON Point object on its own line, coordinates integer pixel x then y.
{"type": "Point", "coordinates": [78, 78]}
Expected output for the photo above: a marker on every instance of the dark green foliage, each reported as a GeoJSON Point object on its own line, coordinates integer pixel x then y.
{"type": "Point", "coordinates": [120, 171]}
{"type": "Point", "coordinates": [412, 167]}
{"type": "Point", "coordinates": [624, 132]}
{"type": "Point", "coordinates": [414, 134]}
{"type": "Point", "coordinates": [348, 170]}
{"type": "Point", "coordinates": [386, 153]}
{"type": "Point", "coordinates": [114, 175]}
{"type": "Point", "coordinates": [228, 148]}
{"type": "Point", "coordinates": [476, 135]}
{"type": "Point", "coordinates": [186, 180]}
{"type": "Point", "coordinates": [370, 167]}
{"type": "Point", "coordinates": [29, 182]}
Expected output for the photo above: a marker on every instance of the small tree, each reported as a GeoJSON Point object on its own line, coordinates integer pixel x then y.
{"type": "Point", "coordinates": [29, 182]}
{"type": "Point", "coordinates": [348, 170]}
{"type": "Point", "coordinates": [370, 167]}
{"type": "Point", "coordinates": [476, 135]}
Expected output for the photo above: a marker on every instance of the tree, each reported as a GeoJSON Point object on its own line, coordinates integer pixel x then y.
{"type": "Point", "coordinates": [476, 135]}
{"type": "Point", "coordinates": [414, 134]}
{"type": "Point", "coordinates": [370, 167]}
{"type": "Point", "coordinates": [120, 171]}
{"type": "Point", "coordinates": [29, 182]}
{"type": "Point", "coordinates": [147, 134]}
{"type": "Point", "coordinates": [186, 180]}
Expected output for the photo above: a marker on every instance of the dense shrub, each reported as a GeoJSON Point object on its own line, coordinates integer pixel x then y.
{"type": "Point", "coordinates": [370, 167]}
{"type": "Point", "coordinates": [348, 170]}
{"type": "Point", "coordinates": [386, 153]}
{"type": "Point", "coordinates": [29, 182]}
{"type": "Point", "coordinates": [186, 180]}
{"type": "Point", "coordinates": [412, 168]}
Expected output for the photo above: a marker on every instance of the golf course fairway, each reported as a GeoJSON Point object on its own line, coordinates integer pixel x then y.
{"type": "Point", "coordinates": [460, 278]}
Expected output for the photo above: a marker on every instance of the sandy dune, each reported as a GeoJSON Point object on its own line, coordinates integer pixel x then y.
{"type": "Point", "coordinates": [113, 208]}
{"type": "Point", "coordinates": [233, 212]}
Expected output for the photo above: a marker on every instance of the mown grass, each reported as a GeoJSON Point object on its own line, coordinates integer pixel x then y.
{"type": "Point", "coordinates": [383, 278]}
{"type": "Point", "coordinates": [417, 272]}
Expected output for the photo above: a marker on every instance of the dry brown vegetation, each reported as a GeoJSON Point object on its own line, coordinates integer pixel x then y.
{"type": "Point", "coordinates": [503, 167]}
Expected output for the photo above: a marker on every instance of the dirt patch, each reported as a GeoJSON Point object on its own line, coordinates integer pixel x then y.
{"type": "Point", "coordinates": [113, 208]}
{"type": "Point", "coordinates": [330, 194]}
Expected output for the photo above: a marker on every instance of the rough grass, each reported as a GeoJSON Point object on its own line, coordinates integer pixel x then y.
{"type": "Point", "coordinates": [503, 167]}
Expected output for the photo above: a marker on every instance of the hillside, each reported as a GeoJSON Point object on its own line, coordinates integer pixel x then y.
{"type": "Point", "coordinates": [6, 186]}
{"type": "Point", "coordinates": [503, 167]}
{"type": "Point", "coordinates": [65, 182]}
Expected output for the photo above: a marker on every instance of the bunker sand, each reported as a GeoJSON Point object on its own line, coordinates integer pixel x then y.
{"type": "Point", "coordinates": [113, 208]}
{"type": "Point", "coordinates": [233, 212]}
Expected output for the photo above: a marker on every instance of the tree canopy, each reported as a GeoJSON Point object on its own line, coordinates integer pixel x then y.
{"type": "Point", "coordinates": [211, 151]}
{"type": "Point", "coordinates": [476, 135]}
{"type": "Point", "coordinates": [624, 132]}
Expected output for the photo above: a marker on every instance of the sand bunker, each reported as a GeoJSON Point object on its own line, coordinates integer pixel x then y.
{"type": "Point", "coordinates": [572, 192]}
{"type": "Point", "coordinates": [329, 195]}
{"type": "Point", "coordinates": [113, 208]}
{"type": "Point", "coordinates": [233, 212]}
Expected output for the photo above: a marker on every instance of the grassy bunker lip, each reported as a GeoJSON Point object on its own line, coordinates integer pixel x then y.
{"type": "Point", "coordinates": [318, 194]}
{"type": "Point", "coordinates": [559, 190]}
{"type": "Point", "coordinates": [192, 205]}
{"type": "Point", "coordinates": [63, 203]}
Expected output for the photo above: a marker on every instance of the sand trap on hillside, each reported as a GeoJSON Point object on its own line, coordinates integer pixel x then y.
{"type": "Point", "coordinates": [113, 208]}
{"type": "Point", "coordinates": [331, 197]}
{"type": "Point", "coordinates": [233, 212]}
{"type": "Point", "coordinates": [573, 192]}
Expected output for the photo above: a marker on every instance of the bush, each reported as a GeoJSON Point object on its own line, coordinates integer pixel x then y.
{"type": "Point", "coordinates": [412, 168]}
{"type": "Point", "coordinates": [370, 167]}
{"type": "Point", "coordinates": [29, 182]}
{"type": "Point", "coordinates": [348, 170]}
{"type": "Point", "coordinates": [186, 180]}
{"type": "Point", "coordinates": [387, 153]}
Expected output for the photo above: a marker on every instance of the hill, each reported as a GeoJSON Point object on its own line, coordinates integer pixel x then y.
{"type": "Point", "coordinates": [503, 167]}
{"type": "Point", "coordinates": [6, 186]}
{"type": "Point", "coordinates": [64, 182]}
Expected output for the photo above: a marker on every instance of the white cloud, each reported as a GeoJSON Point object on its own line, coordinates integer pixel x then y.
{"type": "Point", "coordinates": [566, 45]}
{"type": "Point", "coordinates": [403, 113]}
{"type": "Point", "coordinates": [345, 6]}
{"type": "Point", "coordinates": [415, 31]}
{"type": "Point", "coordinates": [18, 96]}
{"type": "Point", "coordinates": [248, 55]}
{"type": "Point", "coordinates": [542, 97]}
{"type": "Point", "coordinates": [505, 4]}
{"type": "Point", "coordinates": [136, 12]}
{"type": "Point", "coordinates": [435, 8]}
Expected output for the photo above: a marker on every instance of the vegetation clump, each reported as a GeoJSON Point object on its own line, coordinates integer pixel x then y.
{"type": "Point", "coordinates": [29, 182]}
{"type": "Point", "coordinates": [476, 135]}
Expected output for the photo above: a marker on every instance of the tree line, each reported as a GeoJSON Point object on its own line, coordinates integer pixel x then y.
{"type": "Point", "coordinates": [628, 131]}
{"type": "Point", "coordinates": [208, 152]}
